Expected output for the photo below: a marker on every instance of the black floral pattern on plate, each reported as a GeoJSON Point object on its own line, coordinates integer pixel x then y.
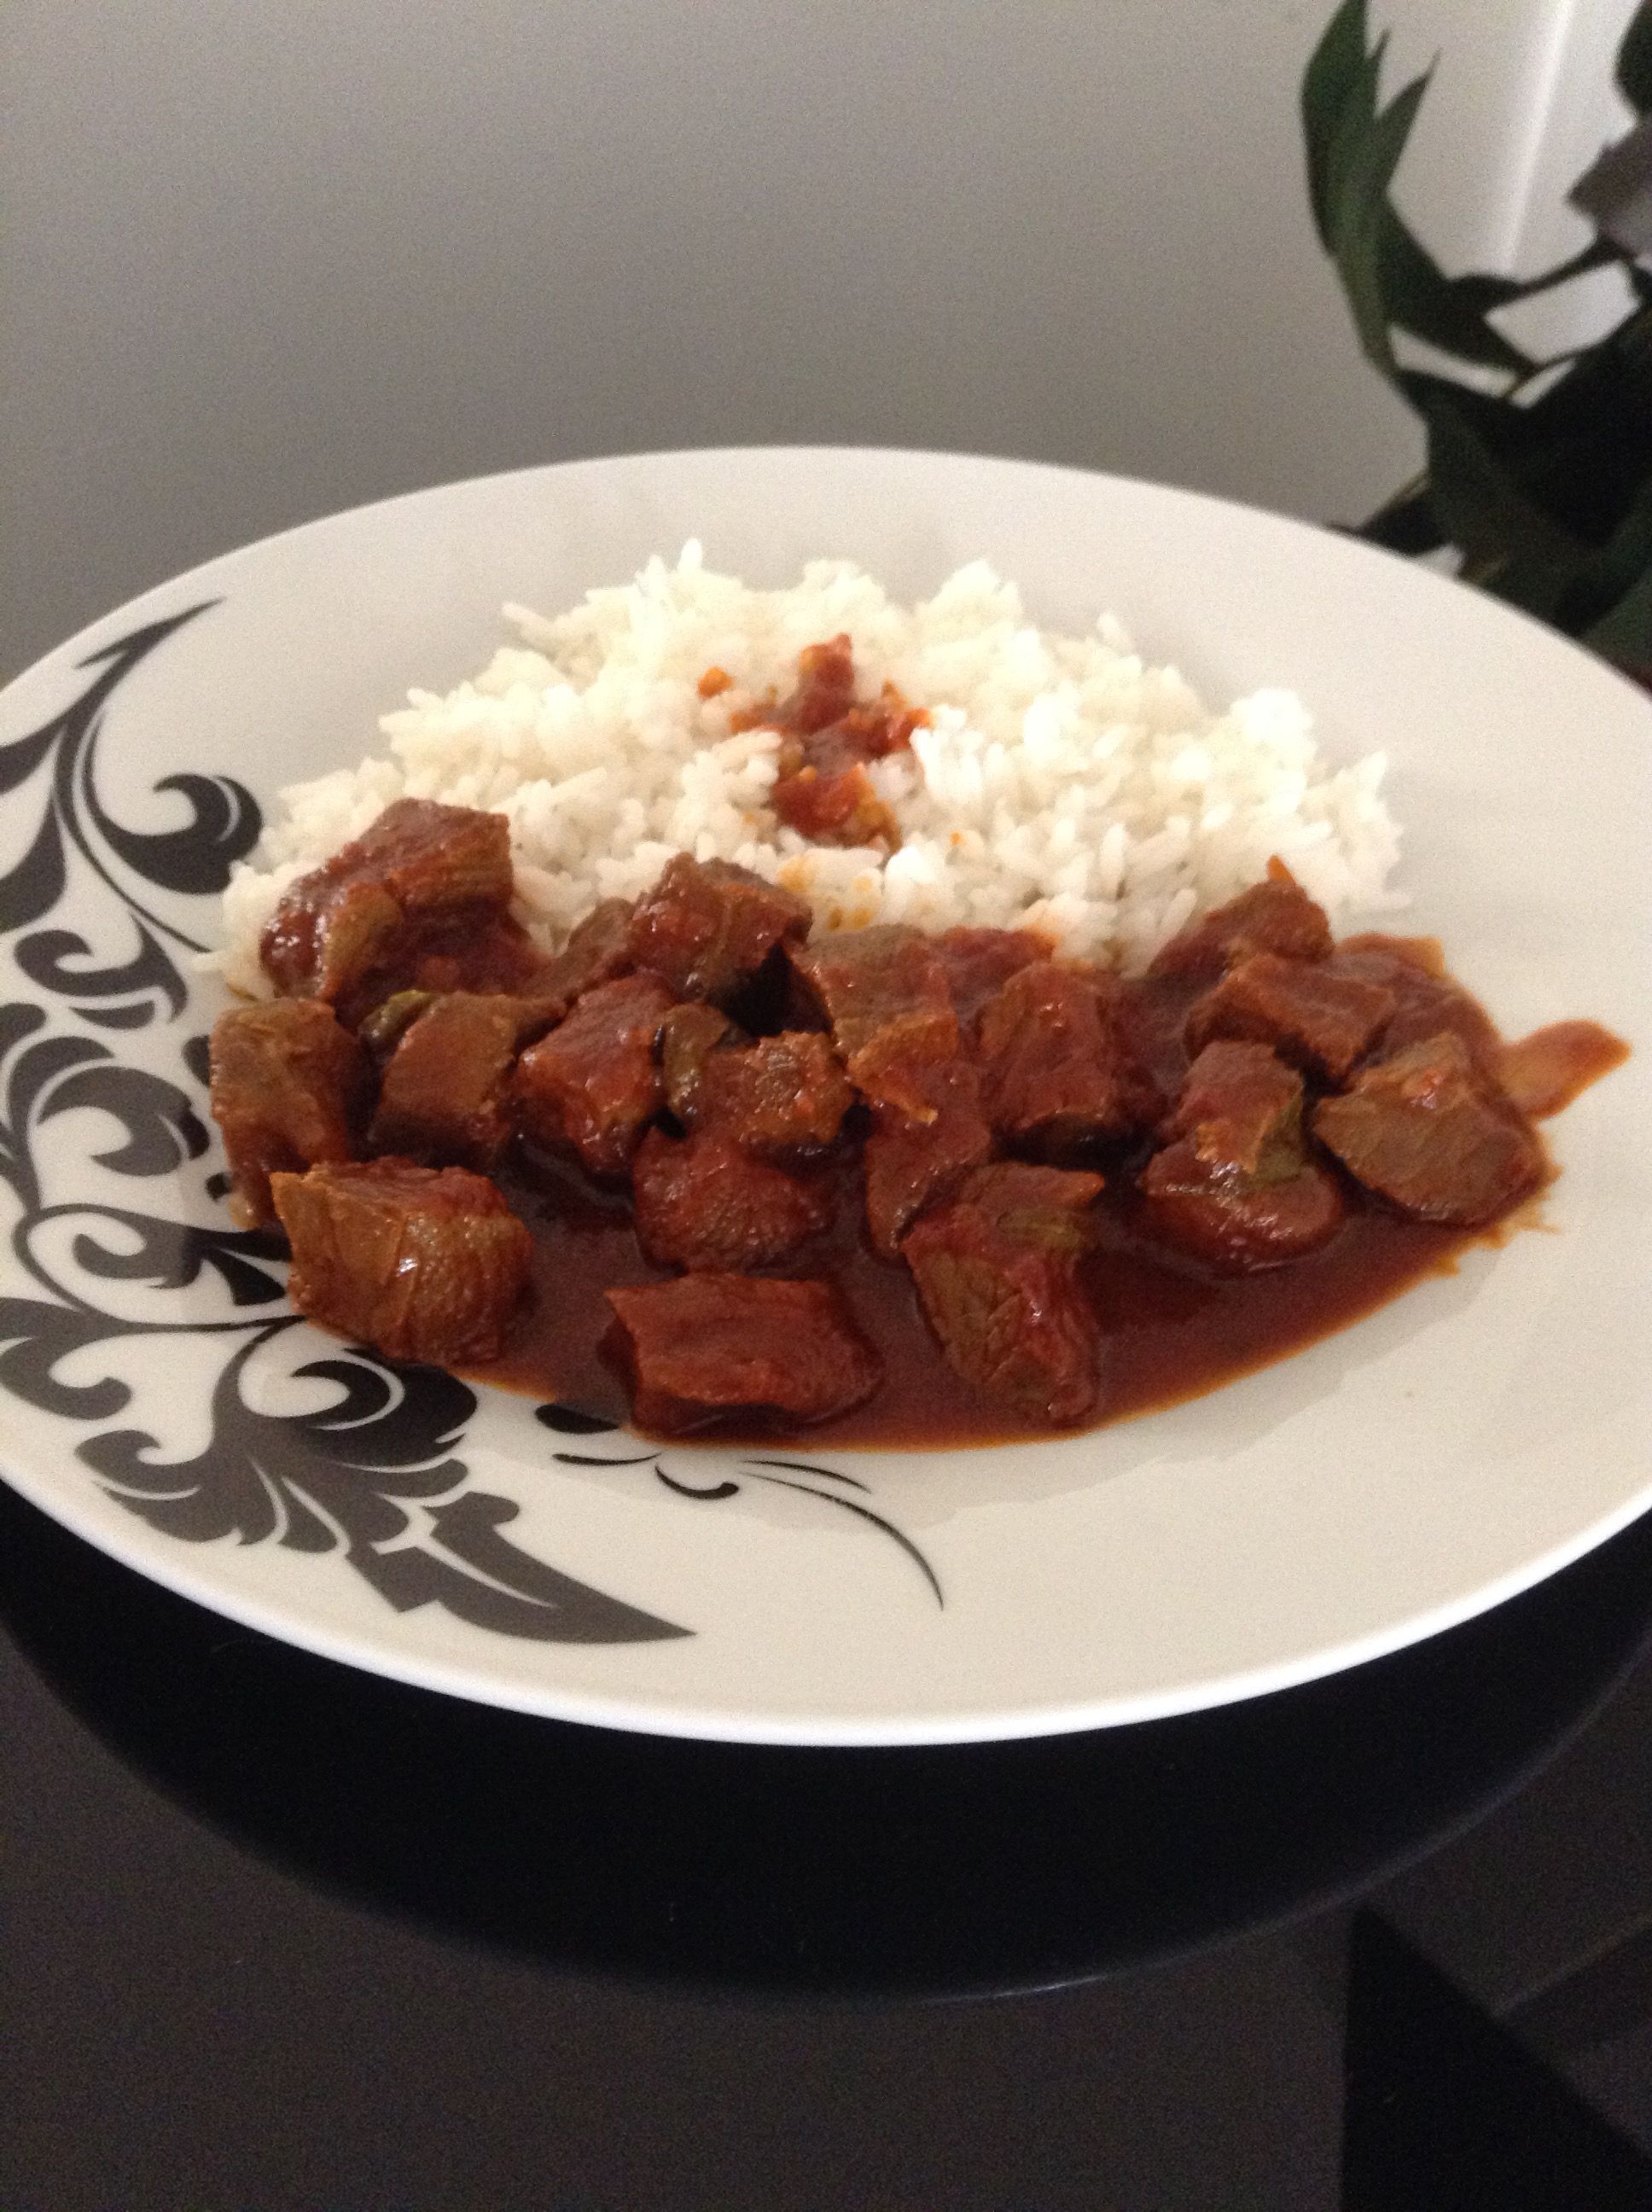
{"type": "Point", "coordinates": [56, 768]}
{"type": "Point", "coordinates": [352, 1454]}
{"type": "Point", "coordinates": [807, 1477]}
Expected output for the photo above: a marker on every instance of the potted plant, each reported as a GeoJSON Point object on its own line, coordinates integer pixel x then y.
{"type": "Point", "coordinates": [1538, 472]}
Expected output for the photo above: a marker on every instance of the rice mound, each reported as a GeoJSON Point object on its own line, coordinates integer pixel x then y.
{"type": "Point", "coordinates": [1063, 784]}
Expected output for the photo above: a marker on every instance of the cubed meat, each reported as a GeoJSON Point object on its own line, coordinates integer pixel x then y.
{"type": "Point", "coordinates": [472, 949]}
{"type": "Point", "coordinates": [910, 1164]}
{"type": "Point", "coordinates": [1275, 915]}
{"type": "Point", "coordinates": [1238, 1225]}
{"type": "Point", "coordinates": [422, 1263]}
{"type": "Point", "coordinates": [702, 1202]}
{"type": "Point", "coordinates": [444, 1097]}
{"type": "Point", "coordinates": [780, 1095]}
{"type": "Point", "coordinates": [1426, 999]}
{"type": "Point", "coordinates": [1060, 1067]}
{"type": "Point", "coordinates": [708, 927]}
{"type": "Point", "coordinates": [704, 1345]}
{"type": "Point", "coordinates": [996, 1277]}
{"type": "Point", "coordinates": [1241, 1107]}
{"type": "Point", "coordinates": [979, 963]}
{"type": "Point", "coordinates": [289, 1087]}
{"type": "Point", "coordinates": [423, 877]}
{"type": "Point", "coordinates": [597, 950]}
{"type": "Point", "coordinates": [593, 1085]}
{"type": "Point", "coordinates": [1318, 1019]}
{"type": "Point", "coordinates": [1235, 1185]}
{"type": "Point", "coordinates": [1050, 1207]}
{"type": "Point", "coordinates": [885, 994]}
{"type": "Point", "coordinates": [688, 1036]}
{"type": "Point", "coordinates": [1422, 1129]}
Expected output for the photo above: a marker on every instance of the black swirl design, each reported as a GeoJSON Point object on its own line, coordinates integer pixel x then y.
{"type": "Point", "coordinates": [353, 1455]}
{"type": "Point", "coordinates": [353, 1476]}
{"type": "Point", "coordinates": [77, 833]}
{"type": "Point", "coordinates": [807, 1477]}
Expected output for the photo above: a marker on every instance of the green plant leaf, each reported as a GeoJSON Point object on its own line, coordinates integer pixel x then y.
{"type": "Point", "coordinates": [1625, 634]}
{"type": "Point", "coordinates": [1360, 218]}
{"type": "Point", "coordinates": [1634, 70]}
{"type": "Point", "coordinates": [1352, 150]}
{"type": "Point", "coordinates": [1581, 452]}
{"type": "Point", "coordinates": [1334, 72]}
{"type": "Point", "coordinates": [1355, 122]}
{"type": "Point", "coordinates": [1585, 447]}
{"type": "Point", "coordinates": [1549, 500]}
{"type": "Point", "coordinates": [1504, 291]}
{"type": "Point", "coordinates": [1477, 295]}
{"type": "Point", "coordinates": [1448, 312]}
{"type": "Point", "coordinates": [1407, 522]}
{"type": "Point", "coordinates": [1479, 498]}
{"type": "Point", "coordinates": [1537, 585]}
{"type": "Point", "coordinates": [1610, 571]}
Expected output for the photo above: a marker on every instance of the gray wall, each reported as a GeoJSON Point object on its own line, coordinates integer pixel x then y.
{"type": "Point", "coordinates": [264, 258]}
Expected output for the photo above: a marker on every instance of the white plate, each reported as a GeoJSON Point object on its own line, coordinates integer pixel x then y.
{"type": "Point", "coordinates": [1463, 1443]}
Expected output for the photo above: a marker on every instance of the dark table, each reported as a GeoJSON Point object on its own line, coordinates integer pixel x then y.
{"type": "Point", "coordinates": [279, 1934]}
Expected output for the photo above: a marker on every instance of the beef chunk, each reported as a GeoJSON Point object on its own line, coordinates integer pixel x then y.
{"type": "Point", "coordinates": [782, 1095]}
{"type": "Point", "coordinates": [423, 1263]}
{"type": "Point", "coordinates": [424, 884]}
{"type": "Point", "coordinates": [688, 1036]}
{"type": "Point", "coordinates": [1309, 1014]}
{"type": "Point", "coordinates": [1238, 1225]}
{"type": "Point", "coordinates": [995, 1273]}
{"type": "Point", "coordinates": [1061, 1073]}
{"type": "Point", "coordinates": [1049, 1207]}
{"type": "Point", "coordinates": [702, 1202]}
{"type": "Point", "coordinates": [288, 1085]}
{"type": "Point", "coordinates": [913, 1164]}
{"type": "Point", "coordinates": [979, 963]}
{"type": "Point", "coordinates": [1424, 1130]}
{"type": "Point", "coordinates": [1241, 1107]}
{"type": "Point", "coordinates": [1412, 970]}
{"type": "Point", "coordinates": [444, 1096]}
{"type": "Point", "coordinates": [885, 994]}
{"type": "Point", "coordinates": [1235, 1185]}
{"type": "Point", "coordinates": [599, 950]}
{"type": "Point", "coordinates": [707, 926]}
{"type": "Point", "coordinates": [1275, 915]}
{"type": "Point", "coordinates": [469, 949]}
{"type": "Point", "coordinates": [705, 1345]}
{"type": "Point", "coordinates": [593, 1085]}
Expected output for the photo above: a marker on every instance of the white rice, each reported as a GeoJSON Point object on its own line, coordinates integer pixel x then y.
{"type": "Point", "coordinates": [1063, 784]}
